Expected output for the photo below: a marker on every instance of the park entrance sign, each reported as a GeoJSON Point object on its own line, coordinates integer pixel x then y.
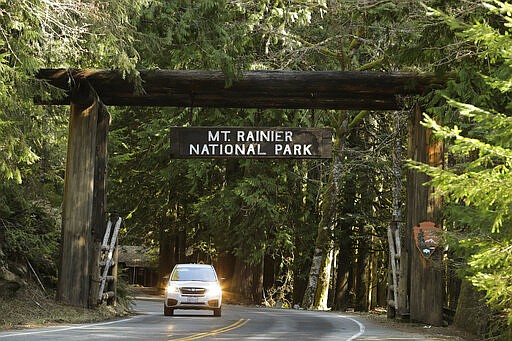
{"type": "Point", "coordinates": [251, 142]}
{"type": "Point", "coordinates": [89, 92]}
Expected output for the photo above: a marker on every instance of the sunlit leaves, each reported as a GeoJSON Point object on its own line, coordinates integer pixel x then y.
{"type": "Point", "coordinates": [478, 185]}
{"type": "Point", "coordinates": [494, 276]}
{"type": "Point", "coordinates": [50, 33]}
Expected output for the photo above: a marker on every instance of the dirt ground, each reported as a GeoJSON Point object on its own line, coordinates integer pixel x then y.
{"type": "Point", "coordinates": [32, 308]}
{"type": "Point", "coordinates": [440, 333]}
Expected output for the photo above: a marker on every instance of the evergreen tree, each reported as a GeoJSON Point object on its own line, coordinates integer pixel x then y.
{"type": "Point", "coordinates": [475, 186]}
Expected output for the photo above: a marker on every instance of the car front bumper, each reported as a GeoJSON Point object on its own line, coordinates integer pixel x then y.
{"type": "Point", "coordinates": [179, 300]}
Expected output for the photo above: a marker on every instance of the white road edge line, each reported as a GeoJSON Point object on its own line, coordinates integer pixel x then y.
{"type": "Point", "coordinates": [362, 328]}
{"type": "Point", "coordinates": [68, 328]}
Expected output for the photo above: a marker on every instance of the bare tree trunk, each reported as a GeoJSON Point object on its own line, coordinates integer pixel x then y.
{"type": "Point", "coordinates": [324, 278]}
{"type": "Point", "coordinates": [247, 281]}
{"type": "Point", "coordinates": [313, 279]}
{"type": "Point", "coordinates": [472, 313]}
{"type": "Point", "coordinates": [257, 282]}
{"type": "Point", "coordinates": [346, 256]}
{"type": "Point", "coordinates": [302, 264]}
{"type": "Point", "coordinates": [344, 281]}
{"type": "Point", "coordinates": [317, 289]}
{"type": "Point", "coordinates": [166, 255]}
{"type": "Point", "coordinates": [361, 276]}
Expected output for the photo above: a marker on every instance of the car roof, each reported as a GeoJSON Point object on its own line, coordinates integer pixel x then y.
{"type": "Point", "coordinates": [193, 265]}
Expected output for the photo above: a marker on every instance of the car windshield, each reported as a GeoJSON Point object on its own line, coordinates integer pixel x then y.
{"type": "Point", "coordinates": [193, 274]}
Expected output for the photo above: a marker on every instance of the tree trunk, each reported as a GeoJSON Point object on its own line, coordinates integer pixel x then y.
{"type": "Point", "coordinates": [180, 245]}
{"type": "Point", "coordinates": [77, 216]}
{"type": "Point", "coordinates": [247, 282]}
{"type": "Point", "coordinates": [361, 275]}
{"type": "Point", "coordinates": [426, 275]}
{"type": "Point", "coordinates": [318, 281]}
{"type": "Point", "coordinates": [317, 289]}
{"type": "Point", "coordinates": [382, 283]}
{"type": "Point", "coordinates": [301, 231]}
{"type": "Point", "coordinates": [343, 297]}
{"type": "Point", "coordinates": [169, 243]}
{"type": "Point", "coordinates": [472, 314]}
{"type": "Point", "coordinates": [324, 278]}
{"type": "Point", "coordinates": [257, 282]}
{"type": "Point", "coordinates": [166, 255]}
{"type": "Point", "coordinates": [270, 272]}
{"type": "Point", "coordinates": [368, 198]}
{"type": "Point", "coordinates": [346, 256]}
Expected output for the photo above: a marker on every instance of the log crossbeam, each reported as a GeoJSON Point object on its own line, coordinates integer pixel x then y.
{"type": "Point", "coordinates": [254, 89]}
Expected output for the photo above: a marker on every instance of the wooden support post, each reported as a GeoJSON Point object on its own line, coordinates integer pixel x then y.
{"type": "Point", "coordinates": [99, 201]}
{"type": "Point", "coordinates": [426, 275]}
{"type": "Point", "coordinates": [393, 278]}
{"type": "Point", "coordinates": [113, 284]}
{"type": "Point", "coordinates": [398, 268]}
{"type": "Point", "coordinates": [77, 221]}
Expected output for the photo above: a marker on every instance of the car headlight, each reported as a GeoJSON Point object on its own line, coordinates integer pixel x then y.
{"type": "Point", "coordinates": [172, 289]}
{"type": "Point", "coordinates": [214, 290]}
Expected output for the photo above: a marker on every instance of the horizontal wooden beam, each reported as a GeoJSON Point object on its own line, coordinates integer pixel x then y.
{"type": "Point", "coordinates": [254, 89]}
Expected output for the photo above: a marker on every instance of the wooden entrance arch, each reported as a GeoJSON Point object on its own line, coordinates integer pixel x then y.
{"type": "Point", "coordinates": [89, 91]}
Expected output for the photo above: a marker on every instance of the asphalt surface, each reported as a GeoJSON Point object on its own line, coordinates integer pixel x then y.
{"type": "Point", "coordinates": [236, 323]}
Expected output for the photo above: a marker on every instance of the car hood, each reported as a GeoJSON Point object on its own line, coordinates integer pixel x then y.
{"type": "Point", "coordinates": [194, 284]}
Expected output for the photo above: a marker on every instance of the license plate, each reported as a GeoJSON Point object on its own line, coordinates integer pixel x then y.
{"type": "Point", "coordinates": [191, 299]}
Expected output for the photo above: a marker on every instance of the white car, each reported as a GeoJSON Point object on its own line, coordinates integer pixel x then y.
{"type": "Point", "coordinates": [193, 286]}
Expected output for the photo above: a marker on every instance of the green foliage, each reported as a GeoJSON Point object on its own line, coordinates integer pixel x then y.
{"type": "Point", "coordinates": [253, 214]}
{"type": "Point", "coordinates": [476, 187]}
{"type": "Point", "coordinates": [29, 230]}
{"type": "Point", "coordinates": [492, 167]}
{"type": "Point", "coordinates": [43, 33]}
{"type": "Point", "coordinates": [495, 260]}
{"type": "Point", "coordinates": [38, 34]}
{"type": "Point", "coordinates": [251, 209]}
{"type": "Point", "coordinates": [254, 209]}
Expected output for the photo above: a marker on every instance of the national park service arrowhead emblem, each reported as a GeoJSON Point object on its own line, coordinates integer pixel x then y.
{"type": "Point", "coordinates": [427, 237]}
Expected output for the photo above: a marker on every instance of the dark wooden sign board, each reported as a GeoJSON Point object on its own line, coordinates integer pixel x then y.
{"type": "Point", "coordinates": [251, 142]}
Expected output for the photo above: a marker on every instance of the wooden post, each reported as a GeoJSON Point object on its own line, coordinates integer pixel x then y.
{"type": "Point", "coordinates": [76, 239]}
{"type": "Point", "coordinates": [392, 275]}
{"type": "Point", "coordinates": [99, 215]}
{"type": "Point", "coordinates": [426, 275]}
{"type": "Point", "coordinates": [113, 284]}
{"type": "Point", "coordinates": [397, 293]}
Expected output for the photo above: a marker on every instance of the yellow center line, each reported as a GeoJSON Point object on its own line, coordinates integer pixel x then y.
{"type": "Point", "coordinates": [228, 328]}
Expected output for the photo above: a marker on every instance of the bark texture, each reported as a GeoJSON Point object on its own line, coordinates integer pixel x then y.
{"type": "Point", "coordinates": [99, 201]}
{"type": "Point", "coordinates": [77, 216]}
{"type": "Point", "coordinates": [426, 275]}
{"type": "Point", "coordinates": [253, 89]}
{"type": "Point", "coordinates": [472, 314]}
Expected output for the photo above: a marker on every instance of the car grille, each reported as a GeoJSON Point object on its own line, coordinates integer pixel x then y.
{"type": "Point", "coordinates": [193, 291]}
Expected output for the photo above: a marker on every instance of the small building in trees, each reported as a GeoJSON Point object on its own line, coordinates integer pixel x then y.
{"type": "Point", "coordinates": [137, 266]}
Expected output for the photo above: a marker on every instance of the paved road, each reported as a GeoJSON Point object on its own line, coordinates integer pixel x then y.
{"type": "Point", "coordinates": [236, 323]}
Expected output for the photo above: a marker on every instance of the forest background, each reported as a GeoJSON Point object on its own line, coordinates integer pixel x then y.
{"type": "Point", "coordinates": [265, 218]}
